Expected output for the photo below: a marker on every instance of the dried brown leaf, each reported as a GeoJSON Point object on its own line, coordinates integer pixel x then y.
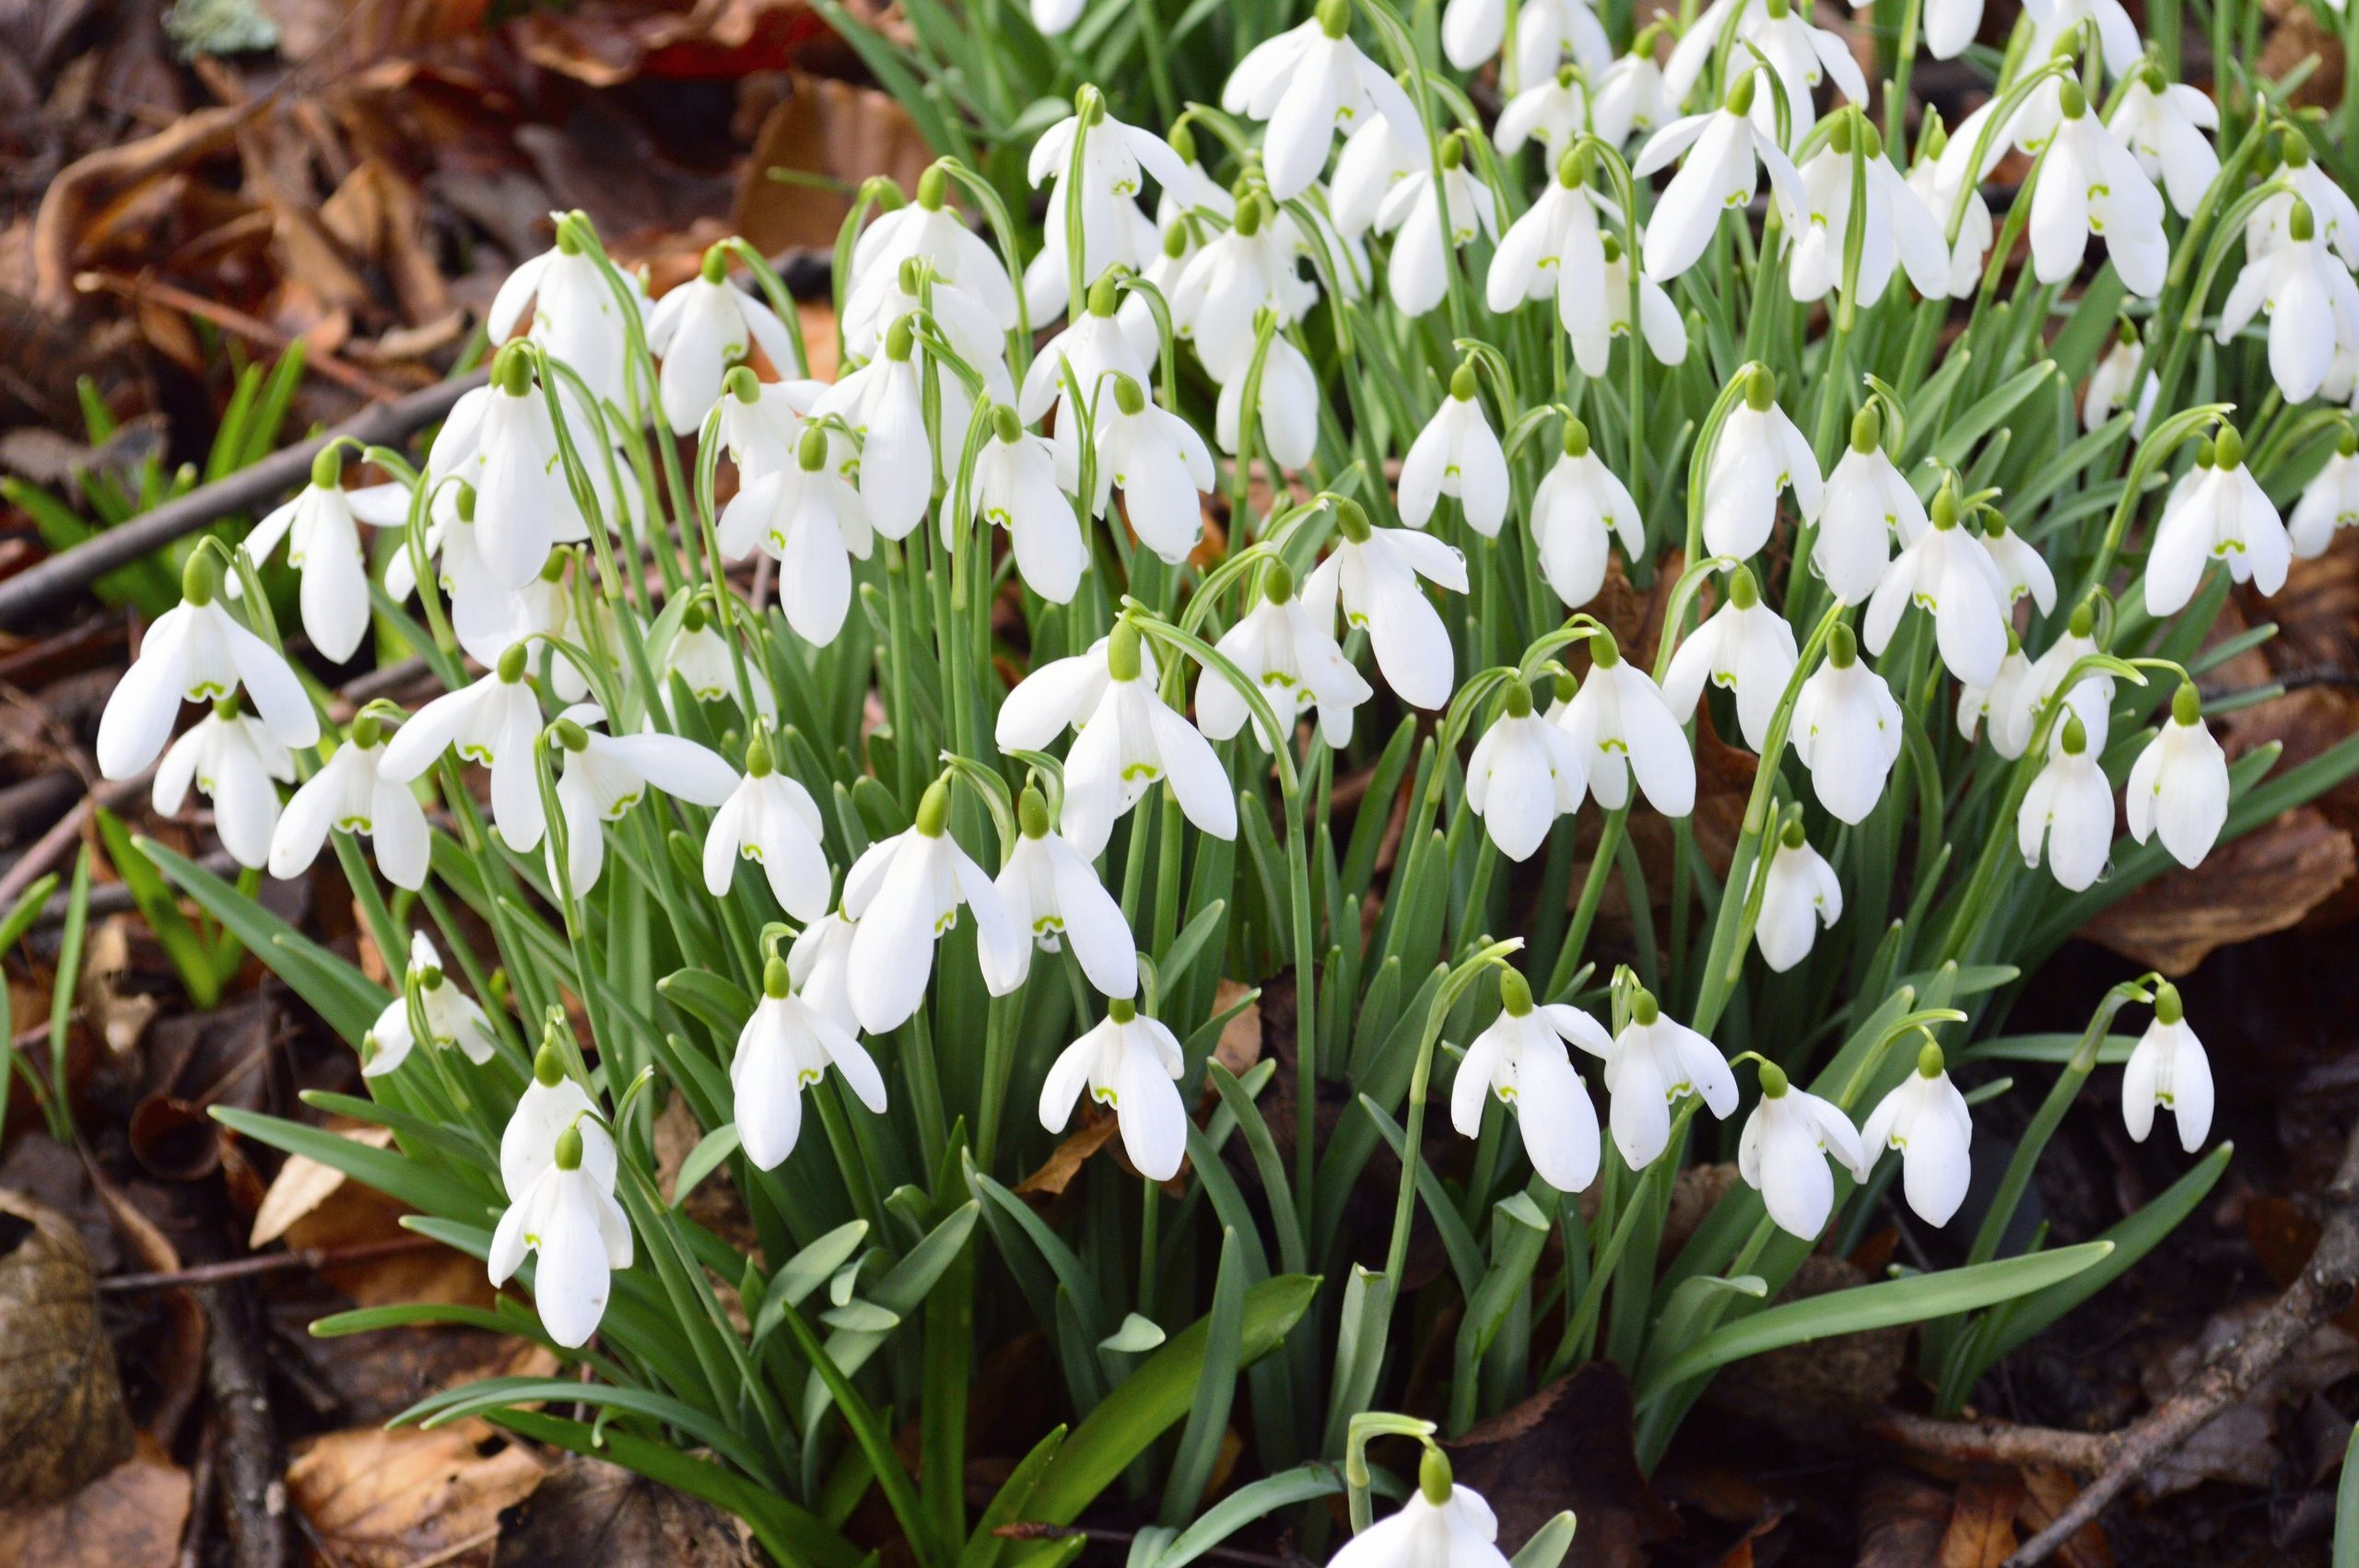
{"type": "Point", "coordinates": [383, 1499]}
{"type": "Point", "coordinates": [1983, 1520]}
{"type": "Point", "coordinates": [61, 1421]}
{"type": "Point", "coordinates": [2267, 881]}
{"type": "Point", "coordinates": [132, 1516]}
{"type": "Point", "coordinates": [588, 1511]}
{"type": "Point", "coordinates": [1568, 1446]}
{"type": "Point", "coordinates": [1902, 1521]}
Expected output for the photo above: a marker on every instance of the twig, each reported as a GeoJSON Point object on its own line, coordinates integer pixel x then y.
{"type": "Point", "coordinates": [266, 1263]}
{"type": "Point", "coordinates": [72, 571]}
{"type": "Point", "coordinates": [1996, 1441]}
{"type": "Point", "coordinates": [253, 1492]}
{"type": "Point", "coordinates": [65, 832]}
{"type": "Point", "coordinates": [2322, 1290]}
{"type": "Point", "coordinates": [200, 1496]}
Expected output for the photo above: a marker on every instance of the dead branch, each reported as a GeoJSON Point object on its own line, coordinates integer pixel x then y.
{"type": "Point", "coordinates": [2323, 1289]}
{"type": "Point", "coordinates": [1996, 1441]}
{"type": "Point", "coordinates": [252, 1494]}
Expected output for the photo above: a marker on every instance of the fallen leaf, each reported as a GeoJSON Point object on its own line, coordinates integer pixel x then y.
{"type": "Point", "coordinates": [304, 1184]}
{"type": "Point", "coordinates": [61, 1421]}
{"type": "Point", "coordinates": [833, 130]}
{"type": "Point", "coordinates": [1240, 1046]}
{"type": "Point", "coordinates": [2267, 881]}
{"type": "Point", "coordinates": [1902, 1521]}
{"type": "Point", "coordinates": [380, 1499]}
{"type": "Point", "coordinates": [2046, 1493]}
{"type": "Point", "coordinates": [1568, 1446]}
{"type": "Point", "coordinates": [1072, 1153]}
{"type": "Point", "coordinates": [588, 1511]}
{"type": "Point", "coordinates": [132, 1516]}
{"type": "Point", "coordinates": [1983, 1520]}
{"type": "Point", "coordinates": [314, 1205]}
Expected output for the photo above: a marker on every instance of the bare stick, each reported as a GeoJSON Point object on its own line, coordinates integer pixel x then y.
{"type": "Point", "coordinates": [1995, 1442]}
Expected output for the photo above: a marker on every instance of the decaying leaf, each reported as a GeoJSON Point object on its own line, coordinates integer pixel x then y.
{"type": "Point", "coordinates": [383, 1499]}
{"type": "Point", "coordinates": [1568, 1446]}
{"type": "Point", "coordinates": [132, 1516]}
{"type": "Point", "coordinates": [304, 1184]}
{"type": "Point", "coordinates": [1240, 1038]}
{"type": "Point", "coordinates": [2267, 881]}
{"type": "Point", "coordinates": [587, 1511]}
{"type": "Point", "coordinates": [1072, 1153]}
{"type": "Point", "coordinates": [2046, 1493]}
{"type": "Point", "coordinates": [1902, 1521]}
{"type": "Point", "coordinates": [61, 1421]}
{"type": "Point", "coordinates": [1981, 1531]}
{"type": "Point", "coordinates": [313, 1205]}
{"type": "Point", "coordinates": [840, 133]}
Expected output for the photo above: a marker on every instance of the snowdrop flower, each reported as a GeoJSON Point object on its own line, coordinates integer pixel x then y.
{"type": "Point", "coordinates": [2330, 209]}
{"type": "Point", "coordinates": [1847, 730]}
{"type": "Point", "coordinates": [2069, 808]}
{"type": "Point", "coordinates": [324, 544]}
{"type": "Point", "coordinates": [564, 1209]}
{"type": "Point", "coordinates": [1949, 24]}
{"type": "Point", "coordinates": [883, 403]}
{"type": "Point", "coordinates": [2167, 1067]}
{"type": "Point", "coordinates": [490, 619]}
{"type": "Point", "coordinates": [1286, 406]}
{"type": "Point", "coordinates": [2110, 384]}
{"type": "Point", "coordinates": [1745, 646]}
{"type": "Point", "coordinates": [2021, 569]}
{"type": "Point", "coordinates": [2328, 502]}
{"type": "Point", "coordinates": [1546, 32]}
{"type": "Point", "coordinates": [2091, 698]}
{"type": "Point", "coordinates": [197, 652]}
{"type": "Point", "coordinates": [1293, 657]}
{"type": "Point", "coordinates": [1114, 158]}
{"type": "Point", "coordinates": [1306, 82]}
{"type": "Point", "coordinates": [929, 231]}
{"type": "Point", "coordinates": [1373, 573]}
{"type": "Point", "coordinates": [1898, 229]}
{"type": "Point", "coordinates": [1457, 454]}
{"type": "Point", "coordinates": [1653, 1065]}
{"type": "Point", "coordinates": [1441, 1525]}
{"type": "Point", "coordinates": [787, 1047]}
{"type": "Point", "coordinates": [1554, 110]}
{"type": "Point", "coordinates": [1127, 740]}
{"type": "Point", "coordinates": [1523, 774]}
{"type": "Point", "coordinates": [1372, 162]}
{"type": "Point", "coordinates": [1096, 350]}
{"type": "Point", "coordinates": [575, 314]}
{"type": "Point", "coordinates": [1926, 1118]}
{"type": "Point", "coordinates": [233, 759]}
{"type": "Point", "coordinates": [1415, 208]}
{"type": "Point", "coordinates": [1798, 894]}
{"type": "Point", "coordinates": [2053, 20]}
{"type": "Point", "coordinates": [1051, 891]}
{"type": "Point", "coordinates": [761, 422]}
{"type": "Point", "coordinates": [454, 1019]}
{"type": "Point", "coordinates": [1947, 573]}
{"type": "Point", "coordinates": [1521, 1058]}
{"type": "Point", "coordinates": [1129, 1062]}
{"type": "Point", "coordinates": [1758, 454]}
{"type": "Point", "coordinates": [2089, 184]}
{"type": "Point", "coordinates": [2311, 303]}
{"type": "Point", "coordinates": [1116, 233]}
{"type": "Point", "coordinates": [1162, 274]}
{"type": "Point", "coordinates": [819, 963]}
{"type": "Point", "coordinates": [1801, 57]}
{"type": "Point", "coordinates": [809, 521]}
{"type": "Point", "coordinates": [1596, 317]}
{"type": "Point", "coordinates": [350, 794]}
{"type": "Point", "coordinates": [1867, 505]}
{"type": "Point", "coordinates": [901, 895]}
{"type": "Point", "coordinates": [1221, 293]}
{"type": "Point", "coordinates": [1578, 508]}
{"type": "Point", "coordinates": [1719, 175]}
{"type": "Point", "coordinates": [699, 654]}
{"type": "Point", "coordinates": [2179, 786]}
{"type": "Point", "coordinates": [607, 775]}
{"type": "Point", "coordinates": [2216, 512]}
{"type": "Point", "coordinates": [1014, 487]}
{"type": "Point", "coordinates": [1620, 721]}
{"type": "Point", "coordinates": [1162, 465]}
{"type": "Point", "coordinates": [509, 453]}
{"type": "Point", "coordinates": [2010, 714]}
{"type": "Point", "coordinates": [702, 328]}
{"type": "Point", "coordinates": [770, 819]}
{"type": "Point", "coordinates": [1553, 249]}
{"type": "Point", "coordinates": [2163, 124]}
{"type": "Point", "coordinates": [1630, 95]}
{"type": "Point", "coordinates": [493, 721]}
{"type": "Point", "coordinates": [1783, 1149]}
{"type": "Point", "coordinates": [1935, 179]}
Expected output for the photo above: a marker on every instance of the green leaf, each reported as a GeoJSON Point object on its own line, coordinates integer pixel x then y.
{"type": "Point", "coordinates": [1191, 1465]}
{"type": "Point", "coordinates": [1007, 1505]}
{"type": "Point", "coordinates": [1257, 1500]}
{"type": "Point", "coordinates": [1155, 1395]}
{"type": "Point", "coordinates": [711, 998]}
{"type": "Point", "coordinates": [710, 1150]}
{"type": "Point", "coordinates": [1548, 1544]}
{"type": "Point", "coordinates": [409, 1181]}
{"type": "Point", "coordinates": [1136, 1336]}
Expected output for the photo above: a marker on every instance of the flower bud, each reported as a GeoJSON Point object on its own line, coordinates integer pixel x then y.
{"type": "Point", "coordinates": [1122, 1010]}
{"type": "Point", "coordinates": [2076, 734]}
{"type": "Point", "coordinates": [1351, 518]}
{"type": "Point", "coordinates": [567, 1154]}
{"type": "Point", "coordinates": [1842, 646]}
{"type": "Point", "coordinates": [1005, 426]}
{"type": "Point", "coordinates": [743, 384]}
{"type": "Point", "coordinates": [1434, 1477]}
{"type": "Point", "coordinates": [1867, 428]}
{"type": "Point", "coordinates": [2168, 1008]}
{"type": "Point", "coordinates": [512, 662]}
{"type": "Point", "coordinates": [777, 980]}
{"type": "Point", "coordinates": [1104, 295]}
{"type": "Point", "coordinates": [1032, 812]}
{"type": "Point", "coordinates": [716, 265]}
{"type": "Point", "coordinates": [1122, 652]}
{"type": "Point", "coordinates": [1644, 1009]}
{"type": "Point", "coordinates": [1740, 99]}
{"type": "Point", "coordinates": [1603, 651]}
{"type": "Point", "coordinates": [1278, 583]}
{"type": "Point", "coordinates": [760, 762]}
{"type": "Point", "coordinates": [1518, 701]}
{"type": "Point", "coordinates": [1791, 837]}
{"type": "Point", "coordinates": [2186, 705]}
{"type": "Point", "coordinates": [1515, 993]}
{"type": "Point", "coordinates": [901, 339]}
{"type": "Point", "coordinates": [1128, 397]}
{"type": "Point", "coordinates": [512, 371]}
{"type": "Point", "coordinates": [1773, 1082]}
{"type": "Point", "coordinates": [1461, 383]}
{"type": "Point", "coordinates": [1335, 16]}
{"type": "Point", "coordinates": [327, 469]}
{"type": "Point", "coordinates": [811, 452]}
{"type": "Point", "coordinates": [2228, 449]}
{"type": "Point", "coordinates": [1930, 1061]}
{"type": "Point", "coordinates": [1744, 591]}
{"type": "Point", "coordinates": [934, 809]}
{"type": "Point", "coordinates": [201, 577]}
{"type": "Point", "coordinates": [466, 501]}
{"type": "Point", "coordinates": [1761, 389]}
{"type": "Point", "coordinates": [2072, 100]}
{"type": "Point", "coordinates": [1576, 438]}
{"type": "Point", "coordinates": [933, 186]}
{"type": "Point", "coordinates": [548, 1066]}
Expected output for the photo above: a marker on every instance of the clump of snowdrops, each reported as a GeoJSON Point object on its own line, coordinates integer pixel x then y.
{"type": "Point", "coordinates": [951, 788]}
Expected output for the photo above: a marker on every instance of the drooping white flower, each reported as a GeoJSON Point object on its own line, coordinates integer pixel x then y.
{"type": "Point", "coordinates": [1441, 1525]}
{"type": "Point", "coordinates": [2167, 1067]}
{"type": "Point", "coordinates": [1926, 1118]}
{"type": "Point", "coordinates": [1631, 95]}
{"type": "Point", "coordinates": [2330, 208]}
{"type": "Point", "coordinates": [2089, 184]}
{"type": "Point", "coordinates": [1127, 740]}
{"type": "Point", "coordinates": [2179, 786]}
{"type": "Point", "coordinates": [769, 818]}
{"type": "Point", "coordinates": [502, 441]}
{"type": "Point", "coordinates": [883, 401]}
{"type": "Point", "coordinates": [702, 328]}
{"type": "Point", "coordinates": [2070, 810]}
{"type": "Point", "coordinates": [1579, 508]}
{"type": "Point", "coordinates": [1374, 573]}
{"type": "Point", "coordinates": [1224, 288]}
{"type": "Point", "coordinates": [1457, 454]}
{"type": "Point", "coordinates": [1725, 153]}
{"type": "Point", "coordinates": [197, 652]}
{"type": "Point", "coordinates": [576, 315]}
{"type": "Point", "coordinates": [1654, 1064]}
{"type": "Point", "coordinates": [2310, 300]}
{"type": "Point", "coordinates": [607, 775]}
{"type": "Point", "coordinates": [1546, 32]}
{"type": "Point", "coordinates": [488, 620]}
{"type": "Point", "coordinates": [928, 230]}
{"type": "Point", "coordinates": [493, 721]}
{"type": "Point", "coordinates": [1800, 58]}
{"type": "Point", "coordinates": [1293, 657]}
{"type": "Point", "coordinates": [1868, 506]}
{"type": "Point", "coordinates": [2052, 19]}
{"type": "Point", "coordinates": [819, 963]}
{"type": "Point", "coordinates": [1949, 24]}
{"type": "Point", "coordinates": [2022, 570]}
{"type": "Point", "coordinates": [1783, 1153]}
{"type": "Point", "coordinates": [1936, 181]}
{"type": "Point", "coordinates": [1094, 351]}
{"type": "Point", "coordinates": [1129, 1063]}
{"type": "Point", "coordinates": [1373, 160]}
{"type": "Point", "coordinates": [1798, 894]}
{"type": "Point", "coordinates": [761, 422]}
{"type": "Point", "coordinates": [1525, 773]}
{"type": "Point", "coordinates": [1428, 218]}
{"type": "Point", "coordinates": [560, 1183]}
{"type": "Point", "coordinates": [785, 1047]}
{"type": "Point", "coordinates": [324, 544]}
{"type": "Point", "coordinates": [2216, 512]}
{"type": "Point", "coordinates": [1947, 573]}
{"type": "Point", "coordinates": [1052, 894]}
{"type": "Point", "coordinates": [2329, 503]}
{"type": "Point", "coordinates": [1619, 720]}
{"type": "Point", "coordinates": [1898, 229]}
{"type": "Point", "coordinates": [698, 655]}
{"type": "Point", "coordinates": [1554, 248]}
{"type": "Point", "coordinates": [2163, 124]}
{"type": "Point", "coordinates": [350, 794]}
{"type": "Point", "coordinates": [454, 1019]}
{"type": "Point", "coordinates": [2111, 382]}
{"type": "Point", "coordinates": [1308, 82]}
{"type": "Point", "coordinates": [1758, 454]}
{"type": "Point", "coordinates": [235, 762]}
{"type": "Point", "coordinates": [1013, 486]}
{"type": "Point", "coordinates": [1596, 317]}
{"type": "Point", "coordinates": [1161, 464]}
{"type": "Point", "coordinates": [900, 895]}
{"type": "Point", "coordinates": [1744, 647]}
{"type": "Point", "coordinates": [1286, 407]}
{"type": "Point", "coordinates": [1521, 1058]}
{"type": "Point", "coordinates": [1115, 159]}
{"type": "Point", "coordinates": [810, 521]}
{"type": "Point", "coordinates": [2091, 698]}
{"type": "Point", "coordinates": [2009, 716]}
{"type": "Point", "coordinates": [1553, 109]}
{"type": "Point", "coordinates": [1847, 730]}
